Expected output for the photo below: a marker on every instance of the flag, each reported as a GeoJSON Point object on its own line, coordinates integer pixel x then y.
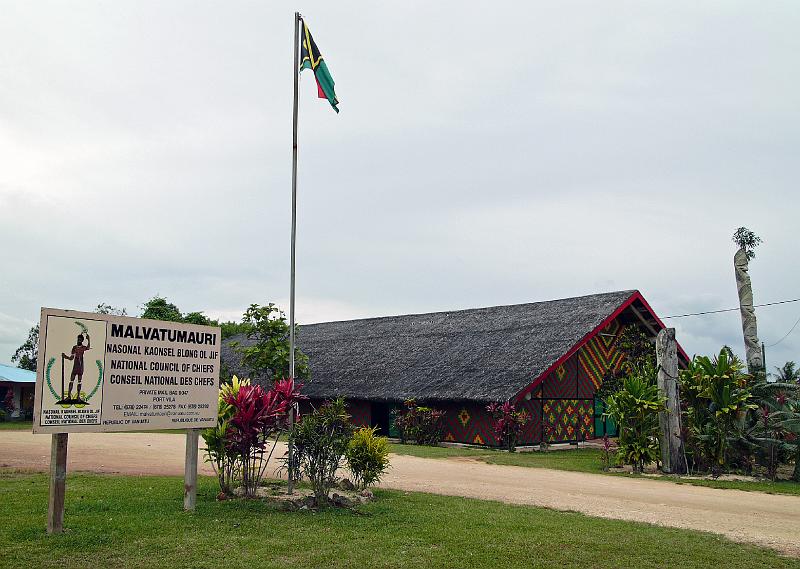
{"type": "Point", "coordinates": [311, 58]}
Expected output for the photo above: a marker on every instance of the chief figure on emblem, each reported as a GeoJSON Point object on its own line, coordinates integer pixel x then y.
{"type": "Point", "coordinates": [77, 370]}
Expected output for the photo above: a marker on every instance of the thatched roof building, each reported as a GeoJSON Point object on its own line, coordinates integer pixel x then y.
{"type": "Point", "coordinates": [462, 359]}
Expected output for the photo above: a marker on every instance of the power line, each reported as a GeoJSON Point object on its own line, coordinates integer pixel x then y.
{"type": "Point", "coordinates": [730, 309]}
{"type": "Point", "coordinates": [787, 334]}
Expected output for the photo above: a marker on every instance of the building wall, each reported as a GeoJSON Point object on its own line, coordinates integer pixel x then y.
{"type": "Point", "coordinates": [360, 412]}
{"type": "Point", "coordinates": [562, 406]}
{"type": "Point", "coordinates": [467, 422]}
{"type": "Point", "coordinates": [23, 398]}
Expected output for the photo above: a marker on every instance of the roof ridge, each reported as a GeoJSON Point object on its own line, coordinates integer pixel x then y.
{"type": "Point", "coordinates": [462, 310]}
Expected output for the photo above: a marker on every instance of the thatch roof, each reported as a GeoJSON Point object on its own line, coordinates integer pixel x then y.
{"type": "Point", "coordinates": [482, 354]}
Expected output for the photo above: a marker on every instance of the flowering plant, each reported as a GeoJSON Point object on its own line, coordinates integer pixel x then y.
{"type": "Point", "coordinates": [508, 423]}
{"type": "Point", "coordinates": [249, 416]}
{"type": "Point", "coordinates": [419, 424]}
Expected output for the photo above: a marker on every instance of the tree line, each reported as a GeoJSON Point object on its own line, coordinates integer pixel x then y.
{"type": "Point", "coordinates": [265, 353]}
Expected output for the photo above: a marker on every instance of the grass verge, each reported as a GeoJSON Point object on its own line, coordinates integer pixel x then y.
{"type": "Point", "coordinates": [585, 460]}
{"type": "Point", "coordinates": [131, 522]}
{"type": "Point", "coordinates": [16, 426]}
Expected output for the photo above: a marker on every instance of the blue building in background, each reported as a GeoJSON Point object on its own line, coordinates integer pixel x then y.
{"type": "Point", "coordinates": [20, 384]}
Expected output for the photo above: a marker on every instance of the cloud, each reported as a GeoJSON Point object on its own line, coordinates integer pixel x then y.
{"type": "Point", "coordinates": [479, 159]}
{"type": "Point", "coordinates": [13, 332]}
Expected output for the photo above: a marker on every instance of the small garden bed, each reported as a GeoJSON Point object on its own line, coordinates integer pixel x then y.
{"type": "Point", "coordinates": [303, 498]}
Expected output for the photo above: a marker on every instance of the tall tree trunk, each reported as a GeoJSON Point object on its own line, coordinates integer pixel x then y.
{"type": "Point", "coordinates": [749, 328]}
{"type": "Point", "coordinates": [796, 474]}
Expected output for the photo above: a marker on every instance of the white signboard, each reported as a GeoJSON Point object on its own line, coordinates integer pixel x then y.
{"type": "Point", "coordinates": [113, 373]}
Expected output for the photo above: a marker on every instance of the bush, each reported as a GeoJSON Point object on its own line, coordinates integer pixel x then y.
{"type": "Point", "coordinates": [635, 409]}
{"type": "Point", "coordinates": [421, 425]}
{"type": "Point", "coordinates": [223, 461]}
{"type": "Point", "coordinates": [731, 420]}
{"type": "Point", "coordinates": [606, 457]}
{"type": "Point", "coordinates": [321, 439]}
{"type": "Point", "coordinates": [9, 402]}
{"type": "Point", "coordinates": [717, 398]}
{"type": "Point", "coordinates": [248, 416]}
{"type": "Point", "coordinates": [367, 456]}
{"type": "Point", "coordinates": [789, 417]}
{"type": "Point", "coordinates": [639, 352]}
{"type": "Point", "coordinates": [508, 423]}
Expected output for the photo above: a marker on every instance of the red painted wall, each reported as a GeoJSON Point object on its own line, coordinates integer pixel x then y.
{"type": "Point", "coordinates": [360, 411]}
{"type": "Point", "coordinates": [467, 422]}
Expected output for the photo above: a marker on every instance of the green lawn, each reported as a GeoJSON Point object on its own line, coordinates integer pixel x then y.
{"type": "Point", "coordinates": [135, 522]}
{"type": "Point", "coordinates": [16, 426]}
{"type": "Point", "coordinates": [423, 451]}
{"type": "Point", "coordinates": [779, 487]}
{"type": "Point", "coordinates": [578, 460]}
{"type": "Point", "coordinates": [583, 460]}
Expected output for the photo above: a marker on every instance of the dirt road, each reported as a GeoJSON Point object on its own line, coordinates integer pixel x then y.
{"type": "Point", "coordinates": [753, 517]}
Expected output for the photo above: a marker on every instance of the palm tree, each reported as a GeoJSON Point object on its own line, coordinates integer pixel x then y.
{"type": "Point", "coordinates": [774, 425]}
{"type": "Point", "coordinates": [789, 373]}
{"type": "Point", "coordinates": [747, 242]}
{"type": "Point", "coordinates": [789, 420]}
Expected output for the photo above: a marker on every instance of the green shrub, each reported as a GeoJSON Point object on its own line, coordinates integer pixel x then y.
{"type": "Point", "coordinates": [320, 440]}
{"type": "Point", "coordinates": [789, 417]}
{"type": "Point", "coordinates": [717, 397]}
{"type": "Point", "coordinates": [225, 461]}
{"type": "Point", "coordinates": [367, 456]}
{"type": "Point", "coordinates": [419, 424]}
{"type": "Point", "coordinates": [635, 409]}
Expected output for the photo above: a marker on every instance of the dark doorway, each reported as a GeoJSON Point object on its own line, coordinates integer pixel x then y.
{"type": "Point", "coordinates": [383, 418]}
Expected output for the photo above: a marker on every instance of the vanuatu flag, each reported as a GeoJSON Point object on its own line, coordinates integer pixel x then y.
{"type": "Point", "coordinates": [311, 58]}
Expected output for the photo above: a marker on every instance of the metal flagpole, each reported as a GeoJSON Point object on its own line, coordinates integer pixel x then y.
{"type": "Point", "coordinates": [296, 72]}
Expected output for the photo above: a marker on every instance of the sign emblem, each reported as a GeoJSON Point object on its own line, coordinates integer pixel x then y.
{"type": "Point", "coordinates": [66, 398]}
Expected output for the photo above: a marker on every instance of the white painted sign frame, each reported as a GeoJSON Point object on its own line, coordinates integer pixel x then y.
{"type": "Point", "coordinates": [182, 393]}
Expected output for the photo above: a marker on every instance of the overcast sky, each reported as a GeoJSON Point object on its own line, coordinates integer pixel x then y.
{"type": "Point", "coordinates": [481, 157]}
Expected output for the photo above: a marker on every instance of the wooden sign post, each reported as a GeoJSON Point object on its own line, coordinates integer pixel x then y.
{"type": "Point", "coordinates": [190, 470]}
{"type": "Point", "coordinates": [58, 480]}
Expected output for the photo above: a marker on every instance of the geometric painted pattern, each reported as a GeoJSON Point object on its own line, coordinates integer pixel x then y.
{"type": "Point", "coordinates": [532, 431]}
{"type": "Point", "coordinates": [599, 356]}
{"type": "Point", "coordinates": [467, 423]}
{"type": "Point", "coordinates": [563, 381]}
{"type": "Point", "coordinates": [568, 419]}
